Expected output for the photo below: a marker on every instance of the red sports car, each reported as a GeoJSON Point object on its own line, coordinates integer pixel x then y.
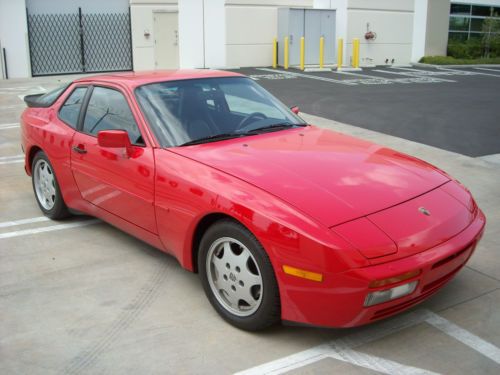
{"type": "Point", "coordinates": [281, 219]}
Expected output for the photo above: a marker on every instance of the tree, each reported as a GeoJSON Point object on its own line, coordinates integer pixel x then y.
{"type": "Point", "coordinates": [491, 36]}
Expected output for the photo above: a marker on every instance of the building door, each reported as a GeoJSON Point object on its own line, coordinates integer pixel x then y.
{"type": "Point", "coordinates": [328, 32]}
{"type": "Point", "coordinates": [319, 23]}
{"type": "Point", "coordinates": [166, 34]}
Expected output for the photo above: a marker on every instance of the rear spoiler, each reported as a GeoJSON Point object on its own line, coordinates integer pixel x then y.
{"type": "Point", "coordinates": [32, 101]}
{"type": "Point", "coordinates": [45, 99]}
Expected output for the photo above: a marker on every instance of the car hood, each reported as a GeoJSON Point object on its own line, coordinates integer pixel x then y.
{"type": "Point", "coordinates": [330, 176]}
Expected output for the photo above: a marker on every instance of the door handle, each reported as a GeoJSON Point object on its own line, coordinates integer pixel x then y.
{"type": "Point", "coordinates": [80, 149]}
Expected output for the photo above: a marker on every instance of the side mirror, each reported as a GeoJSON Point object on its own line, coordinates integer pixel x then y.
{"type": "Point", "coordinates": [295, 110]}
{"type": "Point", "coordinates": [114, 139]}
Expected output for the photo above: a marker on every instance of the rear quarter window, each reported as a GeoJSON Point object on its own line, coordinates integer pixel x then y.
{"type": "Point", "coordinates": [70, 110]}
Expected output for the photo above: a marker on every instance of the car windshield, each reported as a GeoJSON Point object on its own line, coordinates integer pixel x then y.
{"type": "Point", "coordinates": [211, 109]}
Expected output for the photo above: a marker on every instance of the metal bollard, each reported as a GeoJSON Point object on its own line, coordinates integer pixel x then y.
{"type": "Point", "coordinates": [355, 53]}
{"type": "Point", "coordinates": [285, 48]}
{"type": "Point", "coordinates": [340, 53]}
{"type": "Point", "coordinates": [302, 53]}
{"type": "Point", "coordinates": [275, 53]}
{"type": "Point", "coordinates": [321, 52]}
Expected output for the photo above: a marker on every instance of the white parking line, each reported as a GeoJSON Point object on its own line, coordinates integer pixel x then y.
{"type": "Point", "coordinates": [488, 69]}
{"type": "Point", "coordinates": [17, 106]}
{"type": "Point", "coordinates": [14, 223]}
{"type": "Point", "coordinates": [11, 159]}
{"type": "Point", "coordinates": [361, 79]}
{"type": "Point", "coordinates": [16, 161]}
{"type": "Point", "coordinates": [413, 74]}
{"type": "Point", "coordinates": [379, 364]}
{"type": "Point", "coordinates": [306, 76]}
{"type": "Point", "coordinates": [465, 337]}
{"type": "Point", "coordinates": [468, 73]}
{"type": "Point", "coordinates": [50, 228]}
{"type": "Point", "coordinates": [342, 348]}
{"type": "Point", "coordinates": [9, 126]}
{"type": "Point", "coordinates": [2, 158]}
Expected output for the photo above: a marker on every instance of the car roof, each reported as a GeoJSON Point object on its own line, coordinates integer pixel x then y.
{"type": "Point", "coordinates": [134, 79]}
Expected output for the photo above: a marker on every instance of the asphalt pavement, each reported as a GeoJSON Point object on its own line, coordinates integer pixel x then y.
{"type": "Point", "coordinates": [455, 109]}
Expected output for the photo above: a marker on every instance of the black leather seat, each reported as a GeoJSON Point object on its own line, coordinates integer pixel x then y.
{"type": "Point", "coordinates": [195, 115]}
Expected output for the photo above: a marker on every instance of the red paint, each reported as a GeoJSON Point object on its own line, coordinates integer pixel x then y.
{"type": "Point", "coordinates": [315, 199]}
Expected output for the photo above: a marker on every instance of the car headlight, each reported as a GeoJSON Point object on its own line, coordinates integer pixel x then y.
{"type": "Point", "coordinates": [381, 296]}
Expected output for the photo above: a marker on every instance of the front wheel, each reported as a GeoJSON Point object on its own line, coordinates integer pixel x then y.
{"type": "Point", "coordinates": [46, 188]}
{"type": "Point", "coordinates": [238, 277]}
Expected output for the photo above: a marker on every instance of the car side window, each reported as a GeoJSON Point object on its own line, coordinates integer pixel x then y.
{"type": "Point", "coordinates": [70, 110]}
{"type": "Point", "coordinates": [108, 110]}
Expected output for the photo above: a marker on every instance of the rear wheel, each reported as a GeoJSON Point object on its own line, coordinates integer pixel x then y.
{"type": "Point", "coordinates": [46, 188]}
{"type": "Point", "coordinates": [238, 277]}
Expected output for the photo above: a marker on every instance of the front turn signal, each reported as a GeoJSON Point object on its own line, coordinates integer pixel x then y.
{"type": "Point", "coordinates": [394, 279]}
{"type": "Point", "coordinates": [314, 276]}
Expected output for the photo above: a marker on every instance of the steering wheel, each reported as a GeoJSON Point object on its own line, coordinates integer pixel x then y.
{"type": "Point", "coordinates": [246, 121]}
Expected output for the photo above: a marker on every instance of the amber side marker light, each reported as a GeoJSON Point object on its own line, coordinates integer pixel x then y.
{"type": "Point", "coordinates": [394, 279]}
{"type": "Point", "coordinates": [303, 273]}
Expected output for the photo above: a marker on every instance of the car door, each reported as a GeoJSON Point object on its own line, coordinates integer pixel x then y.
{"type": "Point", "coordinates": [111, 178]}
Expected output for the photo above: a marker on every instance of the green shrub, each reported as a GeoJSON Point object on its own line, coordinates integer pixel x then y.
{"type": "Point", "coordinates": [470, 49]}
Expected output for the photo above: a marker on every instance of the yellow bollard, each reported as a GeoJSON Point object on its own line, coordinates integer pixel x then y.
{"type": "Point", "coordinates": [340, 53]}
{"type": "Point", "coordinates": [355, 53]}
{"type": "Point", "coordinates": [302, 53]}
{"type": "Point", "coordinates": [285, 49]}
{"type": "Point", "coordinates": [275, 53]}
{"type": "Point", "coordinates": [321, 52]}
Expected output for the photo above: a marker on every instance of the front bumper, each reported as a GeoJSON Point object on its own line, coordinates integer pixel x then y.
{"type": "Point", "coordinates": [339, 300]}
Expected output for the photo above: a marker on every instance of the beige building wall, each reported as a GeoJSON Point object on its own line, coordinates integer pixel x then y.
{"type": "Point", "coordinates": [391, 20]}
{"type": "Point", "coordinates": [250, 29]}
{"type": "Point", "coordinates": [436, 37]}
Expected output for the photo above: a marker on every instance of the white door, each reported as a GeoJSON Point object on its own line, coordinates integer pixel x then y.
{"type": "Point", "coordinates": [166, 33]}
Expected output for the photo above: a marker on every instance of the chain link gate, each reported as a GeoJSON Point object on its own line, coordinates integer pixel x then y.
{"type": "Point", "coordinates": [79, 43]}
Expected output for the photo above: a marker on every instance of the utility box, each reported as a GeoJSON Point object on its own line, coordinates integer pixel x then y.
{"type": "Point", "coordinates": [310, 24]}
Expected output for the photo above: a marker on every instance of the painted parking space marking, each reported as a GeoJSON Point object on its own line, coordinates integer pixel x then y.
{"type": "Point", "coordinates": [275, 76]}
{"type": "Point", "coordinates": [11, 125]}
{"type": "Point", "coordinates": [11, 107]}
{"type": "Point", "coordinates": [343, 348]}
{"type": "Point", "coordinates": [31, 220]}
{"type": "Point", "coordinates": [302, 75]}
{"type": "Point", "coordinates": [489, 70]}
{"type": "Point", "coordinates": [360, 79]}
{"type": "Point", "coordinates": [414, 74]}
{"type": "Point", "coordinates": [466, 72]}
{"type": "Point", "coordinates": [50, 228]}
{"type": "Point", "coordinates": [11, 159]}
{"type": "Point", "coordinates": [465, 337]}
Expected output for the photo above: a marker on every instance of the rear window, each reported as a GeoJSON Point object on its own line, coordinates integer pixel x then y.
{"type": "Point", "coordinates": [50, 97]}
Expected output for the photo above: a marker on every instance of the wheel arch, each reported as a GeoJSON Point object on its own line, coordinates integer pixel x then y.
{"type": "Point", "coordinates": [201, 227]}
{"type": "Point", "coordinates": [30, 155]}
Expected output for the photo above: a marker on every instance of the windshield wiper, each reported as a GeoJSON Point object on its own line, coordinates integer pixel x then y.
{"type": "Point", "coordinates": [273, 127]}
{"type": "Point", "coordinates": [212, 138]}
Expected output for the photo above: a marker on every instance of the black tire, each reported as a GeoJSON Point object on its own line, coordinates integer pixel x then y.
{"type": "Point", "coordinates": [59, 210]}
{"type": "Point", "coordinates": [269, 311]}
